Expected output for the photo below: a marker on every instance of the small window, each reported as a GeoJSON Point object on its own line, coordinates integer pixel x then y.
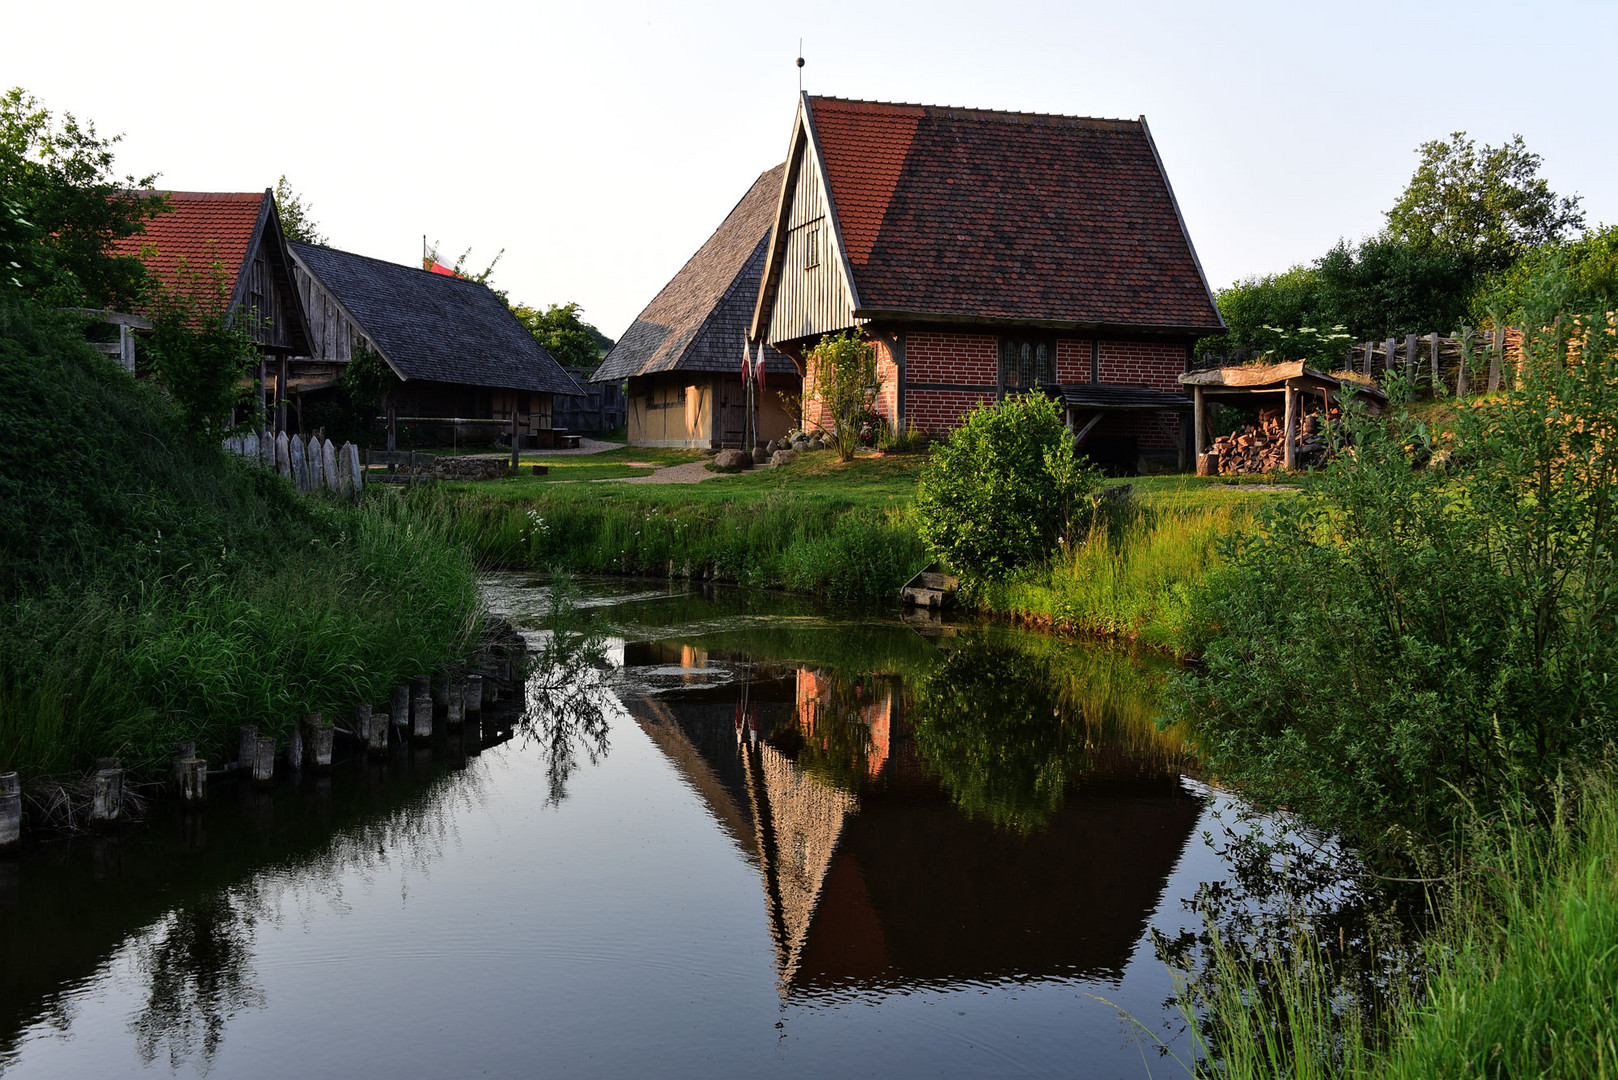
{"type": "Point", "coordinates": [811, 248]}
{"type": "Point", "coordinates": [1027, 362]}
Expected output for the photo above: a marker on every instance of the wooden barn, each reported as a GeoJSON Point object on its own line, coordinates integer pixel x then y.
{"type": "Point", "coordinates": [456, 348]}
{"type": "Point", "coordinates": [214, 243]}
{"type": "Point", "coordinates": [682, 357]}
{"type": "Point", "coordinates": [991, 253]}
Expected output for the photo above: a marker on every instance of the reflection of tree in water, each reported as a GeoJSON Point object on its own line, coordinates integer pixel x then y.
{"type": "Point", "coordinates": [832, 739]}
{"type": "Point", "coordinates": [199, 971]}
{"type": "Point", "coordinates": [564, 696]}
{"type": "Point", "coordinates": [1010, 724]}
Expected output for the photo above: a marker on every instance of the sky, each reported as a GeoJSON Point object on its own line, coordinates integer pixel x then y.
{"type": "Point", "coordinates": [599, 143]}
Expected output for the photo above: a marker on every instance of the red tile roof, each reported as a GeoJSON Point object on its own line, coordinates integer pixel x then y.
{"type": "Point", "coordinates": [202, 227]}
{"type": "Point", "coordinates": [967, 212]}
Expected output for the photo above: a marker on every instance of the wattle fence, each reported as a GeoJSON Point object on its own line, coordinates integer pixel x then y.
{"type": "Point", "coordinates": [312, 464]}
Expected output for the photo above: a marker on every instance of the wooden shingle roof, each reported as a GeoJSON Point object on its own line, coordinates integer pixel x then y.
{"type": "Point", "coordinates": [1020, 217]}
{"type": "Point", "coordinates": [434, 327]}
{"type": "Point", "coordinates": [700, 319]}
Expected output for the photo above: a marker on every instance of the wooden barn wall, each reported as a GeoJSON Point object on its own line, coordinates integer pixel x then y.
{"type": "Point", "coordinates": [332, 335]}
{"type": "Point", "coordinates": [671, 410]}
{"type": "Point", "coordinates": [276, 315]}
{"type": "Point", "coordinates": [810, 300]}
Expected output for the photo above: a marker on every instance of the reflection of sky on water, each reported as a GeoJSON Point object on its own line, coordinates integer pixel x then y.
{"type": "Point", "coordinates": [642, 889]}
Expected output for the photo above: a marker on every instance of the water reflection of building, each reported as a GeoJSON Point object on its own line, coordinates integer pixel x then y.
{"type": "Point", "coordinates": [871, 876]}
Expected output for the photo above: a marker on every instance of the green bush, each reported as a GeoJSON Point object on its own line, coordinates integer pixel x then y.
{"type": "Point", "coordinates": [843, 370]}
{"type": "Point", "coordinates": [1005, 489]}
{"type": "Point", "coordinates": [1433, 622]}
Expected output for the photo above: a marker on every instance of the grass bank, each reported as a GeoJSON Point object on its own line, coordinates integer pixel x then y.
{"type": "Point", "coordinates": [847, 531]}
{"type": "Point", "coordinates": [160, 590]}
{"type": "Point", "coordinates": [1519, 972]}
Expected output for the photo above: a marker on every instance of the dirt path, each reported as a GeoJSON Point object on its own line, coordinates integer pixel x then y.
{"type": "Point", "coordinates": [692, 472]}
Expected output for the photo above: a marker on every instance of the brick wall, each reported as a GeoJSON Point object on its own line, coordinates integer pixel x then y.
{"type": "Point", "coordinates": [887, 398]}
{"type": "Point", "coordinates": [952, 358]}
{"type": "Point", "coordinates": [939, 411]}
{"type": "Point", "coordinates": [1149, 364]}
{"type": "Point", "coordinates": [1072, 361]}
{"type": "Point", "coordinates": [1141, 428]}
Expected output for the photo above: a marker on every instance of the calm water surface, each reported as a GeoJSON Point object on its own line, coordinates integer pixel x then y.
{"type": "Point", "coordinates": [760, 840]}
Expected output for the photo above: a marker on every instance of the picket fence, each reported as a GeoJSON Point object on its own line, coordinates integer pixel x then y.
{"type": "Point", "coordinates": [312, 464]}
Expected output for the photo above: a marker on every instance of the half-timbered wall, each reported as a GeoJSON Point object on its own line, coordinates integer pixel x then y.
{"type": "Point", "coordinates": [812, 296]}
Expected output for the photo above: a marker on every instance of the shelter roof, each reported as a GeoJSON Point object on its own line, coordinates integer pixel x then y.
{"type": "Point", "coordinates": [700, 319]}
{"type": "Point", "coordinates": [433, 327]}
{"type": "Point", "coordinates": [1003, 215]}
{"type": "Point", "coordinates": [1273, 378]}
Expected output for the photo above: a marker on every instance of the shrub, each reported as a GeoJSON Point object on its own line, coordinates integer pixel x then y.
{"type": "Point", "coordinates": [1400, 640]}
{"type": "Point", "coordinates": [843, 368]}
{"type": "Point", "coordinates": [1004, 489]}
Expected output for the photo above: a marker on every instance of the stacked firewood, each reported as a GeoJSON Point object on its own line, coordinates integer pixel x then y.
{"type": "Point", "coordinates": [1261, 447]}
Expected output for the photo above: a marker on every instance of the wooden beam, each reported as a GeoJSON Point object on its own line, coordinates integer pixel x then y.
{"type": "Point", "coordinates": [1494, 358]}
{"type": "Point", "coordinates": [1200, 420]}
{"type": "Point", "coordinates": [1410, 358]}
{"type": "Point", "coordinates": [1432, 342]}
{"type": "Point", "coordinates": [1291, 429]}
{"type": "Point", "coordinates": [1089, 425]}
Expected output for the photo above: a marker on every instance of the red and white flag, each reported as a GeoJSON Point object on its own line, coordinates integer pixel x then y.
{"type": "Point", "coordinates": [759, 367]}
{"type": "Point", "coordinates": [746, 360]}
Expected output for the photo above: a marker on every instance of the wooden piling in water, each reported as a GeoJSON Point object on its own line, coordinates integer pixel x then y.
{"type": "Point", "coordinates": [193, 774]}
{"type": "Point", "coordinates": [377, 736]}
{"type": "Point", "coordinates": [264, 761]}
{"type": "Point", "coordinates": [106, 792]}
{"type": "Point", "coordinates": [10, 810]}
{"type": "Point", "coordinates": [399, 706]}
{"type": "Point", "coordinates": [246, 749]}
{"type": "Point", "coordinates": [362, 725]}
{"type": "Point", "coordinates": [182, 751]}
{"type": "Point", "coordinates": [294, 752]}
{"type": "Point", "coordinates": [421, 715]}
{"type": "Point", "coordinates": [455, 707]}
{"type": "Point", "coordinates": [474, 695]}
{"type": "Point", "coordinates": [421, 684]}
{"type": "Point", "coordinates": [320, 744]}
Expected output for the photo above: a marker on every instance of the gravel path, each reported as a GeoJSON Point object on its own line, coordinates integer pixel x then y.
{"type": "Point", "coordinates": [692, 472]}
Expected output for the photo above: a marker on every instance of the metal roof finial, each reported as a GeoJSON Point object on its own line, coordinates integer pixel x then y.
{"type": "Point", "coordinates": [800, 66]}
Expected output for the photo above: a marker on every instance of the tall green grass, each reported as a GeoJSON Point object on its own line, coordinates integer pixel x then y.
{"type": "Point", "coordinates": [1521, 970]}
{"type": "Point", "coordinates": [191, 656]}
{"type": "Point", "coordinates": [777, 539]}
{"type": "Point", "coordinates": [1134, 576]}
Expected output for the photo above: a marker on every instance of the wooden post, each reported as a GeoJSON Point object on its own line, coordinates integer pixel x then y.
{"type": "Point", "coordinates": [193, 781]}
{"type": "Point", "coordinates": [399, 706]}
{"type": "Point", "coordinates": [264, 761]}
{"type": "Point", "coordinates": [1410, 358]}
{"type": "Point", "coordinates": [1495, 356]}
{"type": "Point", "coordinates": [107, 792]}
{"type": "Point", "coordinates": [246, 748]}
{"type": "Point", "coordinates": [393, 442]}
{"type": "Point", "coordinates": [320, 744]}
{"type": "Point", "coordinates": [376, 737]}
{"type": "Point", "coordinates": [362, 724]}
{"type": "Point", "coordinates": [1290, 431]}
{"type": "Point", "coordinates": [455, 706]}
{"type": "Point", "coordinates": [1367, 364]}
{"type": "Point", "coordinates": [1432, 342]}
{"type": "Point", "coordinates": [514, 439]}
{"type": "Point", "coordinates": [10, 810]}
{"type": "Point", "coordinates": [295, 745]}
{"type": "Point", "coordinates": [421, 715]}
{"type": "Point", "coordinates": [1466, 348]}
{"type": "Point", "coordinates": [474, 695]}
{"type": "Point", "coordinates": [182, 752]}
{"type": "Point", "coordinates": [1199, 421]}
{"type": "Point", "coordinates": [281, 396]}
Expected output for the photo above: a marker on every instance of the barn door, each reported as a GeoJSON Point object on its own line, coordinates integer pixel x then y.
{"type": "Point", "coordinates": [731, 419]}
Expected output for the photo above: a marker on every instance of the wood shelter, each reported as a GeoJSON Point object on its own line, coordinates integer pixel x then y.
{"type": "Point", "coordinates": [1252, 385]}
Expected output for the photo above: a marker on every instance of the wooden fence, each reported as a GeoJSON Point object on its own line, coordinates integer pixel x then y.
{"type": "Point", "coordinates": [1431, 362]}
{"type": "Point", "coordinates": [312, 464]}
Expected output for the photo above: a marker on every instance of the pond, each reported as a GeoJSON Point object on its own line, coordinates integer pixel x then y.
{"type": "Point", "coordinates": [757, 838]}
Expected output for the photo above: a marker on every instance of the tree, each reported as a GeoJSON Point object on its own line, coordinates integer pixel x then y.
{"type": "Point", "coordinates": [842, 368]}
{"type": "Point", "coordinates": [1489, 203]}
{"type": "Point", "coordinates": [573, 342]}
{"type": "Point", "coordinates": [1390, 286]}
{"type": "Point", "coordinates": [65, 206]}
{"type": "Point", "coordinates": [1288, 300]}
{"type": "Point", "coordinates": [297, 215]}
{"type": "Point", "coordinates": [200, 349]}
{"type": "Point", "coordinates": [1005, 489]}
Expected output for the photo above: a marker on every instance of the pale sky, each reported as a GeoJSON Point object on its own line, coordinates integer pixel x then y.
{"type": "Point", "coordinates": [599, 143]}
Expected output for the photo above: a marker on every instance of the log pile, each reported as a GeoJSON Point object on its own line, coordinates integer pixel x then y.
{"type": "Point", "coordinates": [1261, 447]}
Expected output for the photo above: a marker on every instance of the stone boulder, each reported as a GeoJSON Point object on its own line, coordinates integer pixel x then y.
{"type": "Point", "coordinates": [783, 457]}
{"type": "Point", "coordinates": [733, 460]}
{"type": "Point", "coordinates": [761, 455]}
{"type": "Point", "coordinates": [816, 443]}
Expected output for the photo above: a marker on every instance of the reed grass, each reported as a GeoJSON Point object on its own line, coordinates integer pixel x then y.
{"type": "Point", "coordinates": [1518, 976]}
{"type": "Point", "coordinates": [191, 656]}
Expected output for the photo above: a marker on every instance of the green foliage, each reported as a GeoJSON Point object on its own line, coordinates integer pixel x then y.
{"type": "Point", "coordinates": [296, 214]}
{"type": "Point", "coordinates": [1323, 349]}
{"type": "Point", "coordinates": [1401, 638]}
{"type": "Point", "coordinates": [843, 369]}
{"type": "Point", "coordinates": [570, 340]}
{"type": "Point", "coordinates": [1582, 274]}
{"type": "Point", "coordinates": [200, 350]}
{"type": "Point", "coordinates": [158, 589]}
{"type": "Point", "coordinates": [1389, 286]}
{"type": "Point", "coordinates": [1488, 203]}
{"type": "Point", "coordinates": [61, 204]}
{"type": "Point", "coordinates": [1004, 489]}
{"type": "Point", "coordinates": [1289, 299]}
